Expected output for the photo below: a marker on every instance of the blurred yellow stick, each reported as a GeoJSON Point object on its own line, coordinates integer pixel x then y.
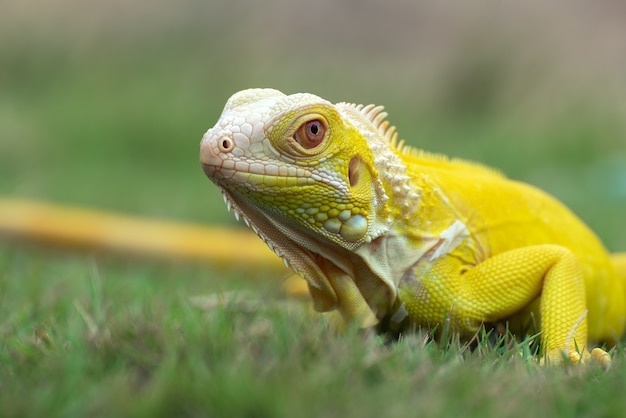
{"type": "Point", "coordinates": [57, 225]}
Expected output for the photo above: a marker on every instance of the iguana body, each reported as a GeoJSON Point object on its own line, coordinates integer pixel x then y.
{"type": "Point", "coordinates": [393, 236]}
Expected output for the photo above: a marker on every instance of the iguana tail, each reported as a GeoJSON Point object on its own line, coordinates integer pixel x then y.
{"type": "Point", "coordinates": [619, 261]}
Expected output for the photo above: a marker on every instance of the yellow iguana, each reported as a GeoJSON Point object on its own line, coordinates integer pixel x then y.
{"type": "Point", "coordinates": [392, 236]}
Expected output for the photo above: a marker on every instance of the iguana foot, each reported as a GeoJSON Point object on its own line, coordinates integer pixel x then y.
{"type": "Point", "coordinates": [602, 357]}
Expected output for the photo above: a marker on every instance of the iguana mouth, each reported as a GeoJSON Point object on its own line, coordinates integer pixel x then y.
{"type": "Point", "coordinates": [209, 169]}
{"type": "Point", "coordinates": [255, 179]}
{"type": "Point", "coordinates": [219, 164]}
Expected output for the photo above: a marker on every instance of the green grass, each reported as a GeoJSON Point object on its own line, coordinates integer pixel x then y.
{"type": "Point", "coordinates": [98, 336]}
{"type": "Point", "coordinates": [106, 108]}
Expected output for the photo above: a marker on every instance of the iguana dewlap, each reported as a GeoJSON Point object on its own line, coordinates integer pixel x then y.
{"type": "Point", "coordinates": [394, 236]}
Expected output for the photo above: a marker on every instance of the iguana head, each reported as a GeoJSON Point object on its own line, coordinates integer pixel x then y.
{"type": "Point", "coordinates": [302, 174]}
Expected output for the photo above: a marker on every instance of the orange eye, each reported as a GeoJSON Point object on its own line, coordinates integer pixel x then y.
{"type": "Point", "coordinates": [310, 134]}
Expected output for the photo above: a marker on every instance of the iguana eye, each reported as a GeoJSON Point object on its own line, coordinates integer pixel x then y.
{"type": "Point", "coordinates": [310, 134]}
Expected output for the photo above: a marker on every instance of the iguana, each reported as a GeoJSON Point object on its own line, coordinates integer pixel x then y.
{"type": "Point", "coordinates": [395, 237]}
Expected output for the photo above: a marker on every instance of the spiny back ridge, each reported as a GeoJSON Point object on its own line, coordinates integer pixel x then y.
{"type": "Point", "coordinates": [377, 116]}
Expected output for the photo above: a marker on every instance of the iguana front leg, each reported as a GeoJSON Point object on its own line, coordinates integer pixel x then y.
{"type": "Point", "coordinates": [500, 287]}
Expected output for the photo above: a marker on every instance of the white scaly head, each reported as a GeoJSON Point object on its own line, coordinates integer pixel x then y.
{"type": "Point", "coordinates": [312, 179]}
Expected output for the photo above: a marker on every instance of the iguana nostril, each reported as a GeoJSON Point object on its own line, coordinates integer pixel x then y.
{"type": "Point", "coordinates": [225, 144]}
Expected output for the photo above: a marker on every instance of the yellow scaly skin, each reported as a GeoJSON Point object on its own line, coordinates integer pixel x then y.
{"type": "Point", "coordinates": [396, 237]}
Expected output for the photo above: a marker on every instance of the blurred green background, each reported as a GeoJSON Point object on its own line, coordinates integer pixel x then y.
{"type": "Point", "coordinates": [103, 104]}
